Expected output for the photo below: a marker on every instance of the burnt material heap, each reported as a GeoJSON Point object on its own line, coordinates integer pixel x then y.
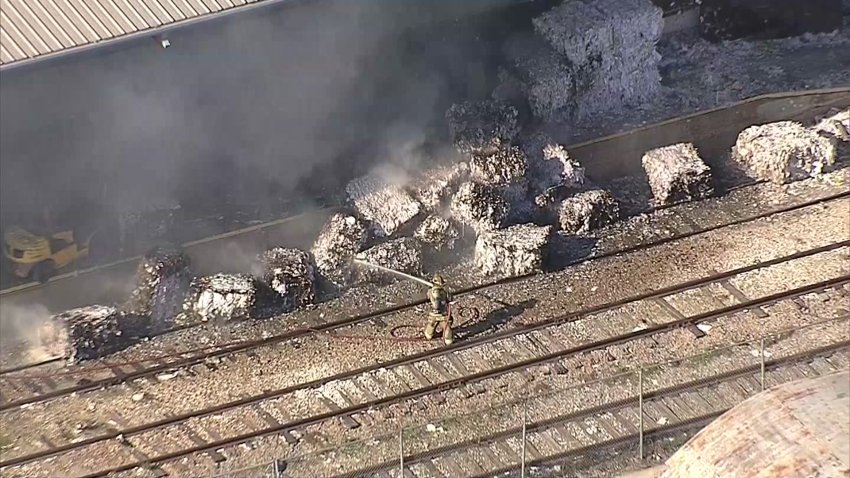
{"type": "Point", "coordinates": [552, 173]}
{"type": "Point", "coordinates": [291, 273]}
{"type": "Point", "coordinates": [435, 187]}
{"type": "Point", "coordinates": [482, 127]}
{"type": "Point", "coordinates": [836, 126]}
{"type": "Point", "coordinates": [162, 281]}
{"type": "Point", "coordinates": [84, 333]}
{"type": "Point", "coordinates": [228, 297]}
{"type": "Point", "coordinates": [480, 206]}
{"type": "Point", "coordinates": [340, 239]}
{"type": "Point", "coordinates": [437, 232]}
{"type": "Point", "coordinates": [783, 152]}
{"type": "Point", "coordinates": [588, 210]}
{"type": "Point", "coordinates": [677, 173]}
{"type": "Point", "coordinates": [513, 251]}
{"type": "Point", "coordinates": [387, 206]}
{"type": "Point", "coordinates": [403, 255]}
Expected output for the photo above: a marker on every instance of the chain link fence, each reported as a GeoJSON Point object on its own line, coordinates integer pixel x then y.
{"type": "Point", "coordinates": [553, 420]}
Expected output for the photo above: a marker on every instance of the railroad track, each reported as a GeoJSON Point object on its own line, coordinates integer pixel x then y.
{"type": "Point", "coordinates": [463, 366]}
{"type": "Point", "coordinates": [609, 426]}
{"type": "Point", "coordinates": [49, 380]}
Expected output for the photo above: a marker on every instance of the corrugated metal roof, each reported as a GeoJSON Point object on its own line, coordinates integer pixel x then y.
{"type": "Point", "coordinates": [33, 28]}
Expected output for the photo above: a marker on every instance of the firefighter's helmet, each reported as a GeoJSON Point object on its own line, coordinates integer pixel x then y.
{"type": "Point", "coordinates": [438, 280]}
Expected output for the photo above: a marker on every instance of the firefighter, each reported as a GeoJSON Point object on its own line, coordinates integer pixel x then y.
{"type": "Point", "coordinates": [439, 298]}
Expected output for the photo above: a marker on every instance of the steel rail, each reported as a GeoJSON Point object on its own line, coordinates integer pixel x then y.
{"type": "Point", "coordinates": [493, 373]}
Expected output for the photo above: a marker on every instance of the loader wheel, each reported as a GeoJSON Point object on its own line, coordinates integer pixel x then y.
{"type": "Point", "coordinates": [42, 272]}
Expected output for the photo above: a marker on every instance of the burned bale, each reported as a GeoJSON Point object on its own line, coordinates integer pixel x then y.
{"type": "Point", "coordinates": [437, 232]}
{"type": "Point", "coordinates": [228, 297]}
{"type": "Point", "coordinates": [550, 165]}
{"type": "Point", "coordinates": [387, 206]}
{"type": "Point", "coordinates": [480, 206]}
{"type": "Point", "coordinates": [340, 239]}
{"type": "Point", "coordinates": [505, 166]}
{"type": "Point", "coordinates": [434, 187]}
{"type": "Point", "coordinates": [403, 255]}
{"type": "Point", "coordinates": [513, 251]}
{"type": "Point", "coordinates": [84, 333]}
{"type": "Point", "coordinates": [291, 273]}
{"type": "Point", "coordinates": [587, 210]}
{"type": "Point", "coordinates": [162, 281]}
{"type": "Point", "coordinates": [545, 78]}
{"type": "Point", "coordinates": [835, 125]}
{"type": "Point", "coordinates": [482, 127]}
{"type": "Point", "coordinates": [677, 173]}
{"type": "Point", "coordinates": [783, 152]}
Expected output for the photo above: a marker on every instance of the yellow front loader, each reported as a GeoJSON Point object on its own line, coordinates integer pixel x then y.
{"type": "Point", "coordinates": [39, 257]}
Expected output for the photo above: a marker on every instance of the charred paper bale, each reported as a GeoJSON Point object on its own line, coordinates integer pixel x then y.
{"type": "Point", "coordinates": [229, 297]}
{"type": "Point", "coordinates": [513, 251]}
{"type": "Point", "coordinates": [292, 274]}
{"type": "Point", "coordinates": [387, 206]}
{"type": "Point", "coordinates": [545, 77]}
{"type": "Point", "coordinates": [403, 254]}
{"type": "Point", "coordinates": [437, 185]}
{"type": "Point", "coordinates": [480, 206]}
{"type": "Point", "coordinates": [84, 333]}
{"type": "Point", "coordinates": [162, 280]}
{"type": "Point", "coordinates": [482, 127]}
{"type": "Point", "coordinates": [437, 232]}
{"type": "Point", "coordinates": [836, 125]}
{"type": "Point", "coordinates": [505, 166]}
{"type": "Point", "coordinates": [677, 173]}
{"type": "Point", "coordinates": [339, 240]}
{"type": "Point", "coordinates": [588, 210]}
{"type": "Point", "coordinates": [783, 152]}
{"type": "Point", "coordinates": [550, 165]}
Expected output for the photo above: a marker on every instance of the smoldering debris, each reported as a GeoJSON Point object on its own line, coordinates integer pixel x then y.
{"type": "Point", "coordinates": [480, 206]}
{"type": "Point", "coordinates": [84, 333]}
{"type": "Point", "coordinates": [783, 152]}
{"type": "Point", "coordinates": [228, 297]}
{"type": "Point", "coordinates": [588, 210]}
{"type": "Point", "coordinates": [545, 77]}
{"type": "Point", "coordinates": [387, 206]}
{"type": "Point", "coordinates": [482, 127]}
{"type": "Point", "coordinates": [340, 239]}
{"type": "Point", "coordinates": [513, 251]}
{"type": "Point", "coordinates": [677, 173]}
{"type": "Point", "coordinates": [292, 274]}
{"type": "Point", "coordinates": [505, 166]}
{"type": "Point", "coordinates": [435, 186]}
{"type": "Point", "coordinates": [437, 232]}
{"type": "Point", "coordinates": [162, 281]}
{"type": "Point", "coordinates": [403, 254]}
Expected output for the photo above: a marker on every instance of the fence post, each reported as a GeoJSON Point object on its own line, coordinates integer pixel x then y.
{"type": "Point", "coordinates": [762, 363]}
{"type": "Point", "coordinates": [640, 411]}
{"type": "Point", "coordinates": [524, 423]}
{"type": "Point", "coordinates": [401, 452]}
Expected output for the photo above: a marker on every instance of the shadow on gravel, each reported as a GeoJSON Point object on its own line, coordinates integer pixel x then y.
{"type": "Point", "coordinates": [567, 249]}
{"type": "Point", "coordinates": [496, 319]}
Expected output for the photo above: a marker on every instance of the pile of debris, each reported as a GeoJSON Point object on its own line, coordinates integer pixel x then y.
{"type": "Point", "coordinates": [835, 125]}
{"type": "Point", "coordinates": [228, 297]}
{"type": "Point", "coordinates": [588, 210]}
{"type": "Point", "coordinates": [85, 333]}
{"type": "Point", "coordinates": [388, 207]}
{"type": "Point", "coordinates": [435, 186]}
{"type": "Point", "coordinates": [403, 255]}
{"type": "Point", "coordinates": [609, 46]}
{"type": "Point", "coordinates": [483, 127]}
{"type": "Point", "coordinates": [677, 173]}
{"type": "Point", "coordinates": [162, 281]}
{"type": "Point", "coordinates": [513, 251]}
{"type": "Point", "coordinates": [437, 232]}
{"type": "Point", "coordinates": [292, 274]}
{"type": "Point", "coordinates": [783, 152]}
{"type": "Point", "coordinates": [480, 207]}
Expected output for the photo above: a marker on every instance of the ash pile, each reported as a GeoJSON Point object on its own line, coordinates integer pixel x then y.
{"type": "Point", "coordinates": [677, 173]}
{"type": "Point", "coordinates": [228, 297]}
{"type": "Point", "coordinates": [162, 281]}
{"type": "Point", "coordinates": [292, 274]}
{"type": "Point", "coordinates": [784, 152]}
{"type": "Point", "coordinates": [590, 57]}
{"type": "Point", "coordinates": [87, 332]}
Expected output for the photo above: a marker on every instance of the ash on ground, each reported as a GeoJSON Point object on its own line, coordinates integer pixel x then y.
{"type": "Point", "coordinates": [84, 333]}
{"type": "Point", "coordinates": [403, 254]}
{"type": "Point", "coordinates": [388, 207]}
{"type": "Point", "coordinates": [162, 281]}
{"type": "Point", "coordinates": [292, 274]}
{"type": "Point", "coordinates": [340, 239]}
{"type": "Point", "coordinates": [783, 152]}
{"type": "Point", "coordinates": [228, 297]}
{"type": "Point", "coordinates": [513, 251]}
{"type": "Point", "coordinates": [677, 173]}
